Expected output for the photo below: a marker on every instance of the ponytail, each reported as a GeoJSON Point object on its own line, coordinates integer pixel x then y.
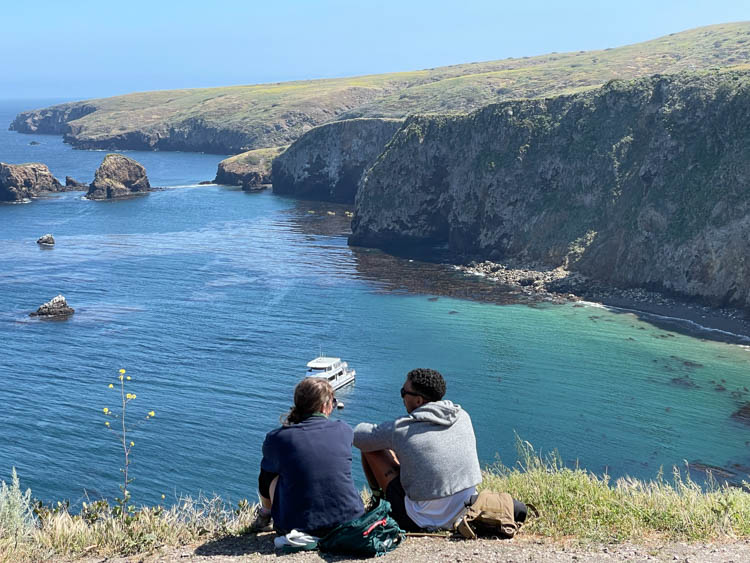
{"type": "Point", "coordinates": [310, 396]}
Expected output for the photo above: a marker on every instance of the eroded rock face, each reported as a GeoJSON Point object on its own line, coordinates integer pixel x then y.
{"type": "Point", "coordinates": [327, 162]}
{"type": "Point", "coordinates": [118, 176]}
{"type": "Point", "coordinates": [72, 184]}
{"type": "Point", "coordinates": [56, 307]}
{"type": "Point", "coordinates": [252, 168]}
{"type": "Point", "coordinates": [47, 240]}
{"type": "Point", "coordinates": [640, 183]}
{"type": "Point", "coordinates": [24, 181]}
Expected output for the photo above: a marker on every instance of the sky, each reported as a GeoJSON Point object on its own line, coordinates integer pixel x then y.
{"type": "Point", "coordinates": [81, 49]}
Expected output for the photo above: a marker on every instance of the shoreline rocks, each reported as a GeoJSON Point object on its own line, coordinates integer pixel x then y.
{"type": "Point", "coordinates": [559, 285]}
{"type": "Point", "coordinates": [118, 176]}
{"type": "Point", "coordinates": [46, 240]}
{"type": "Point", "coordinates": [72, 184]}
{"type": "Point", "coordinates": [57, 307]}
{"type": "Point", "coordinates": [19, 182]}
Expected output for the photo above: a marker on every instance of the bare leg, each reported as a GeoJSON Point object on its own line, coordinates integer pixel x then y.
{"type": "Point", "coordinates": [380, 468]}
{"type": "Point", "coordinates": [268, 502]}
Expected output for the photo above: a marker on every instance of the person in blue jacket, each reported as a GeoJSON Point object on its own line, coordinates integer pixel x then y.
{"type": "Point", "coordinates": [305, 480]}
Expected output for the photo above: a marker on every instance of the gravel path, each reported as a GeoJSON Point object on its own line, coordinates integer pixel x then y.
{"type": "Point", "coordinates": [428, 549]}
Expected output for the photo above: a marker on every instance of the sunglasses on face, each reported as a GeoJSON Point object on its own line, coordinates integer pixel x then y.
{"type": "Point", "coordinates": [334, 402]}
{"type": "Point", "coordinates": [404, 393]}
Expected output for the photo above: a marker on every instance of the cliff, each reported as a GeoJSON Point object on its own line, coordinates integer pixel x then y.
{"type": "Point", "coordinates": [24, 181]}
{"type": "Point", "coordinates": [638, 183]}
{"type": "Point", "coordinates": [252, 168]}
{"type": "Point", "coordinates": [327, 162]}
{"type": "Point", "coordinates": [236, 119]}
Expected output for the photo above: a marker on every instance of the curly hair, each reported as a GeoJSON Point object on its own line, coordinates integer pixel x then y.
{"type": "Point", "coordinates": [428, 383]}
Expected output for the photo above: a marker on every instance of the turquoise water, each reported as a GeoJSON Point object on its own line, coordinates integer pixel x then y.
{"type": "Point", "coordinates": [214, 300]}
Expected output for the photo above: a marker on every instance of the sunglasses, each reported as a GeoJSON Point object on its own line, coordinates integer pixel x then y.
{"type": "Point", "coordinates": [334, 402]}
{"type": "Point", "coordinates": [404, 393]}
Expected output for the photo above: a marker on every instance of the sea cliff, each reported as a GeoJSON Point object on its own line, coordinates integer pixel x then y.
{"type": "Point", "coordinates": [235, 119]}
{"type": "Point", "coordinates": [327, 162]}
{"type": "Point", "coordinates": [638, 183]}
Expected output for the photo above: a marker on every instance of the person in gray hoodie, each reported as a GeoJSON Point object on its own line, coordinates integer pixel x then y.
{"type": "Point", "coordinates": [425, 464]}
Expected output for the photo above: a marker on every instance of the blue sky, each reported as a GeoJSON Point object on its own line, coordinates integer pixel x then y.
{"type": "Point", "coordinates": [83, 49]}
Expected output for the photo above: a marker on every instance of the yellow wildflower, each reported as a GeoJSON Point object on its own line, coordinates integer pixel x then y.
{"type": "Point", "coordinates": [120, 378]}
{"type": "Point", "coordinates": [111, 386]}
{"type": "Point", "coordinates": [134, 395]}
{"type": "Point", "coordinates": [106, 424]}
{"type": "Point", "coordinates": [105, 410]}
{"type": "Point", "coordinates": [128, 378]}
{"type": "Point", "coordinates": [122, 371]}
{"type": "Point", "coordinates": [132, 444]}
{"type": "Point", "coordinates": [151, 413]}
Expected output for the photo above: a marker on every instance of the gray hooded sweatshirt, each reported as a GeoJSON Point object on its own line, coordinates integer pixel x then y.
{"type": "Point", "coordinates": [435, 445]}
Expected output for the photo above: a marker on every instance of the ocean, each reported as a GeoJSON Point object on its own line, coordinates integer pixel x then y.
{"type": "Point", "coordinates": [214, 300]}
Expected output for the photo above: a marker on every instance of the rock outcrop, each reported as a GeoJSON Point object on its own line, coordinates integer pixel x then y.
{"type": "Point", "coordinates": [56, 307]}
{"type": "Point", "coordinates": [118, 176]}
{"type": "Point", "coordinates": [73, 185]}
{"type": "Point", "coordinates": [639, 183]}
{"type": "Point", "coordinates": [51, 120]}
{"type": "Point", "coordinates": [46, 240]}
{"type": "Point", "coordinates": [327, 162]}
{"type": "Point", "coordinates": [252, 168]}
{"type": "Point", "coordinates": [19, 182]}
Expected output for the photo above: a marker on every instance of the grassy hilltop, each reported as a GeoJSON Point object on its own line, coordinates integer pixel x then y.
{"type": "Point", "coordinates": [240, 118]}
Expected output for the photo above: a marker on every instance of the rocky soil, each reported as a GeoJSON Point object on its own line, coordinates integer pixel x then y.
{"type": "Point", "coordinates": [427, 549]}
{"type": "Point", "coordinates": [118, 176]}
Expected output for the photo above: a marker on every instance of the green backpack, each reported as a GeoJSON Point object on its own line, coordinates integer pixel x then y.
{"type": "Point", "coordinates": [372, 534]}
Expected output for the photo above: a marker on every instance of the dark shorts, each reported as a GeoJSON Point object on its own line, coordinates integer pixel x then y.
{"type": "Point", "coordinates": [395, 494]}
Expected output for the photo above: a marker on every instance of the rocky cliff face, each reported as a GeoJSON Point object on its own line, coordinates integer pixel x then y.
{"type": "Point", "coordinates": [118, 176]}
{"type": "Point", "coordinates": [51, 120]}
{"type": "Point", "coordinates": [219, 121]}
{"type": "Point", "coordinates": [252, 168]}
{"type": "Point", "coordinates": [639, 183]}
{"type": "Point", "coordinates": [24, 181]}
{"type": "Point", "coordinates": [327, 162]}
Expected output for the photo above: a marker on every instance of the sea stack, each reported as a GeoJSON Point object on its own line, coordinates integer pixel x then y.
{"type": "Point", "coordinates": [19, 182]}
{"type": "Point", "coordinates": [118, 176]}
{"type": "Point", "coordinates": [57, 307]}
{"type": "Point", "coordinates": [46, 240]}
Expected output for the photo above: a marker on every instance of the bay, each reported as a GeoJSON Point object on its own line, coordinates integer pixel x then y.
{"type": "Point", "coordinates": [213, 300]}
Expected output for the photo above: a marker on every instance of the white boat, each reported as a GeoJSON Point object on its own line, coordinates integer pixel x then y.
{"type": "Point", "coordinates": [334, 370]}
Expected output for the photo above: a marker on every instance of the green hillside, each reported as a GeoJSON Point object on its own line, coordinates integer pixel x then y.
{"type": "Point", "coordinates": [239, 118]}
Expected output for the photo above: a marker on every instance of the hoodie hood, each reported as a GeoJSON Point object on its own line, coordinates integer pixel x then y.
{"type": "Point", "coordinates": [444, 413]}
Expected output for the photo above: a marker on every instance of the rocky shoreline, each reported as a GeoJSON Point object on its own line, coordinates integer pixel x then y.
{"type": "Point", "coordinates": [559, 285]}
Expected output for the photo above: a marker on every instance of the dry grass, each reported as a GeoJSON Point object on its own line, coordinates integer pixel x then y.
{"type": "Point", "coordinates": [574, 505]}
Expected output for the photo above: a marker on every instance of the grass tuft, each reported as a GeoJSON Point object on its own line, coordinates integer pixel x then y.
{"type": "Point", "coordinates": [575, 503]}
